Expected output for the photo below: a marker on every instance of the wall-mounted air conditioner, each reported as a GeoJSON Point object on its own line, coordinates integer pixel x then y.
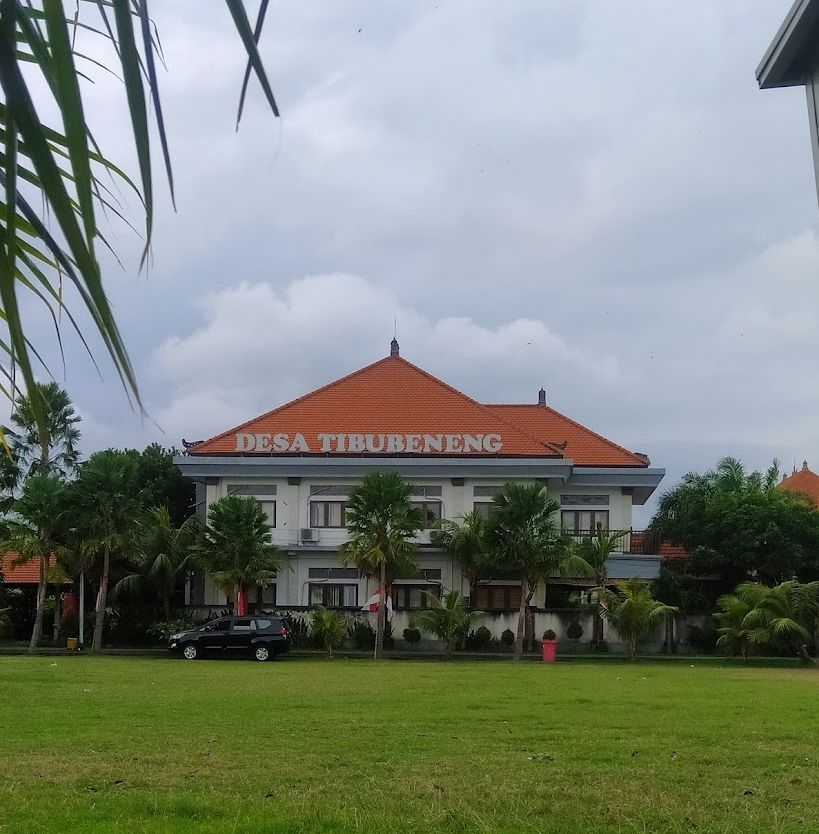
{"type": "Point", "coordinates": [308, 534]}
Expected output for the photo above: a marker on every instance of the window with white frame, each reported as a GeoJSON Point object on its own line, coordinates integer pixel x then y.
{"type": "Point", "coordinates": [334, 595]}
{"type": "Point", "coordinates": [328, 513]}
{"type": "Point", "coordinates": [269, 508]}
{"type": "Point", "coordinates": [583, 522]}
{"type": "Point", "coordinates": [483, 508]}
{"type": "Point", "coordinates": [430, 513]}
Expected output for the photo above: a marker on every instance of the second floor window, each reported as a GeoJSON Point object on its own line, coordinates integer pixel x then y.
{"type": "Point", "coordinates": [583, 522]}
{"type": "Point", "coordinates": [327, 513]}
{"type": "Point", "coordinates": [269, 508]}
{"type": "Point", "coordinates": [483, 508]}
{"type": "Point", "coordinates": [430, 512]}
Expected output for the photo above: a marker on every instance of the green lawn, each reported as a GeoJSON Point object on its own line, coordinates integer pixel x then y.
{"type": "Point", "coordinates": [152, 745]}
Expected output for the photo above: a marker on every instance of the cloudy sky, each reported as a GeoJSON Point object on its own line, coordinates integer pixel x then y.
{"type": "Point", "coordinates": [582, 194]}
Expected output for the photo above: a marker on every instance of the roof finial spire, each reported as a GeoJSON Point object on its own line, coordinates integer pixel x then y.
{"type": "Point", "coordinates": [804, 464]}
{"type": "Point", "coordinates": [394, 351]}
{"type": "Point", "coordinates": [541, 396]}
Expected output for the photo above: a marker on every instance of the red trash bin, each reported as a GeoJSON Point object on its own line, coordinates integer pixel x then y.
{"type": "Point", "coordinates": [549, 651]}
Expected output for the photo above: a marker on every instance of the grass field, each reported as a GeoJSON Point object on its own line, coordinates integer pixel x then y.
{"type": "Point", "coordinates": [153, 745]}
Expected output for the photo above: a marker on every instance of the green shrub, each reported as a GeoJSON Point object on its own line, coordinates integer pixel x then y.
{"type": "Point", "coordinates": [549, 634]}
{"type": "Point", "coordinates": [361, 634]}
{"type": "Point", "coordinates": [508, 637]}
{"type": "Point", "coordinates": [482, 637]}
{"type": "Point", "coordinates": [299, 631]}
{"type": "Point", "coordinates": [703, 638]}
{"type": "Point", "coordinates": [5, 627]}
{"type": "Point", "coordinates": [162, 630]}
{"type": "Point", "coordinates": [574, 631]}
{"type": "Point", "coordinates": [412, 635]}
{"type": "Point", "coordinates": [327, 628]}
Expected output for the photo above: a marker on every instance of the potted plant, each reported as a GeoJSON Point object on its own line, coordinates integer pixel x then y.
{"type": "Point", "coordinates": [549, 646]}
{"type": "Point", "coordinates": [574, 631]}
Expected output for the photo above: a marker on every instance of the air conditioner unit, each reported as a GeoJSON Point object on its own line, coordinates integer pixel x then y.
{"type": "Point", "coordinates": [309, 535]}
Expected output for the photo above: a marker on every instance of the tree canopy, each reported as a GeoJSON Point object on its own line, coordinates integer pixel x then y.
{"type": "Point", "coordinates": [236, 547]}
{"type": "Point", "coordinates": [524, 537]}
{"type": "Point", "coordinates": [381, 523]}
{"type": "Point", "coordinates": [738, 525]}
{"type": "Point", "coordinates": [55, 179]}
{"type": "Point", "coordinates": [48, 445]}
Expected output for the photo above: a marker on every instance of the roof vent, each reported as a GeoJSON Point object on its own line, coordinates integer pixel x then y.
{"type": "Point", "coordinates": [541, 397]}
{"type": "Point", "coordinates": [394, 347]}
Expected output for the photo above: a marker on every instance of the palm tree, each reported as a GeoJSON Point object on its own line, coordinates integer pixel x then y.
{"type": "Point", "coordinates": [633, 612]}
{"type": "Point", "coordinates": [163, 557]}
{"type": "Point", "coordinates": [48, 445]}
{"type": "Point", "coordinates": [783, 617]}
{"type": "Point", "coordinates": [467, 542]}
{"type": "Point", "coordinates": [733, 612]}
{"type": "Point", "coordinates": [381, 523]}
{"type": "Point", "coordinates": [448, 619]}
{"type": "Point", "coordinates": [107, 511]}
{"type": "Point", "coordinates": [55, 182]}
{"type": "Point", "coordinates": [595, 552]}
{"type": "Point", "coordinates": [328, 628]}
{"type": "Point", "coordinates": [36, 531]}
{"type": "Point", "coordinates": [524, 537]}
{"type": "Point", "coordinates": [236, 548]}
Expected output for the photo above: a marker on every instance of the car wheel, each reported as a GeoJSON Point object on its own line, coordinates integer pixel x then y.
{"type": "Point", "coordinates": [262, 653]}
{"type": "Point", "coordinates": [190, 651]}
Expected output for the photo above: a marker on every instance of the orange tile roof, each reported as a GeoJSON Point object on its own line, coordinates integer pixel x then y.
{"type": "Point", "coordinates": [393, 396]}
{"type": "Point", "coordinates": [27, 573]}
{"type": "Point", "coordinates": [804, 482]}
{"type": "Point", "coordinates": [579, 444]}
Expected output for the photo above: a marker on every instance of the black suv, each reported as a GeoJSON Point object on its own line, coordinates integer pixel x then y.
{"type": "Point", "coordinates": [263, 636]}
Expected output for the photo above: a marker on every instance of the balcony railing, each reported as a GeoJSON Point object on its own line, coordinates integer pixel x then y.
{"type": "Point", "coordinates": [636, 542]}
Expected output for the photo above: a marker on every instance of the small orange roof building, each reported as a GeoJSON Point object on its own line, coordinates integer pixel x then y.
{"type": "Point", "coordinates": [805, 482]}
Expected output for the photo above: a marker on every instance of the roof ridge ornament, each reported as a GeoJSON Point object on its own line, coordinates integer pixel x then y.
{"type": "Point", "coordinates": [394, 349]}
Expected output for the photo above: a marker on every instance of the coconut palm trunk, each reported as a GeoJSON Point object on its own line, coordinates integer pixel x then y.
{"type": "Point", "coordinates": [382, 606]}
{"type": "Point", "coordinates": [670, 642]}
{"type": "Point", "coordinates": [102, 601]}
{"type": "Point", "coordinates": [42, 586]}
{"type": "Point", "coordinates": [57, 613]}
{"type": "Point", "coordinates": [597, 629]}
{"type": "Point", "coordinates": [524, 599]}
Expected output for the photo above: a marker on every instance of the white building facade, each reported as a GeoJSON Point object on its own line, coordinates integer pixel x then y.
{"type": "Point", "coordinates": [302, 460]}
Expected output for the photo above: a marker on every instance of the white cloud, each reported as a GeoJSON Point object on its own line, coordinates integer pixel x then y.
{"type": "Point", "coordinates": [601, 180]}
{"type": "Point", "coordinates": [259, 347]}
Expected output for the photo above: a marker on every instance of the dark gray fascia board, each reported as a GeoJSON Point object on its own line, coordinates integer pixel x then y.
{"type": "Point", "coordinates": [793, 49]}
{"type": "Point", "coordinates": [642, 481]}
{"type": "Point", "coordinates": [197, 467]}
